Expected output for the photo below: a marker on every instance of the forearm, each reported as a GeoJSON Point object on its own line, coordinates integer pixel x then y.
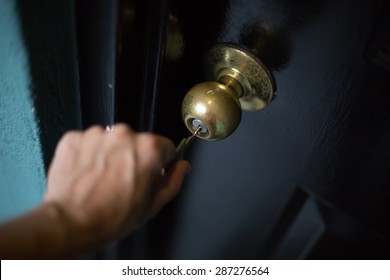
{"type": "Point", "coordinates": [44, 233]}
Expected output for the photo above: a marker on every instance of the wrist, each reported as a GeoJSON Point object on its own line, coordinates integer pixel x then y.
{"type": "Point", "coordinates": [76, 238]}
{"type": "Point", "coordinates": [46, 232]}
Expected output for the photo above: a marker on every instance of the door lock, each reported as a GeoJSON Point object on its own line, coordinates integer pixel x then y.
{"type": "Point", "coordinates": [238, 80]}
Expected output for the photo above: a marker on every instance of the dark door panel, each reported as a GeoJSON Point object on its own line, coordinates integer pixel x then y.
{"type": "Point", "coordinates": [327, 131]}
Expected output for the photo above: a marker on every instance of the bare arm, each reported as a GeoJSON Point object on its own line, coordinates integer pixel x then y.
{"type": "Point", "coordinates": [100, 187]}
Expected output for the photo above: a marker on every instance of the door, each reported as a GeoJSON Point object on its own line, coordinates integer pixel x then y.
{"type": "Point", "coordinates": [306, 177]}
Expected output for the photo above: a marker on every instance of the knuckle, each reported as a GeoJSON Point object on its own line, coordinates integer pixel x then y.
{"type": "Point", "coordinates": [70, 138]}
{"type": "Point", "coordinates": [155, 148]}
{"type": "Point", "coordinates": [68, 143]}
{"type": "Point", "coordinates": [150, 142]}
{"type": "Point", "coordinates": [95, 129]}
{"type": "Point", "coordinates": [150, 151]}
{"type": "Point", "coordinates": [121, 131]}
{"type": "Point", "coordinates": [123, 128]}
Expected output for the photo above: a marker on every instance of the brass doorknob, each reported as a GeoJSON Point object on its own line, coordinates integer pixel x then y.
{"type": "Point", "coordinates": [239, 81]}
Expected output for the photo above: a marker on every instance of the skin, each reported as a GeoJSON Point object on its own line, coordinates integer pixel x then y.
{"type": "Point", "coordinates": [100, 187]}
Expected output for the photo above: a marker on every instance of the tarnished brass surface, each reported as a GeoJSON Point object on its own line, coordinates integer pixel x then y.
{"type": "Point", "coordinates": [254, 78]}
{"type": "Point", "coordinates": [240, 80]}
{"type": "Point", "coordinates": [215, 106]}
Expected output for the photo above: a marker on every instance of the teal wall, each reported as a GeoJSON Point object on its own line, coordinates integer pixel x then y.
{"type": "Point", "coordinates": [39, 98]}
{"type": "Point", "coordinates": [22, 176]}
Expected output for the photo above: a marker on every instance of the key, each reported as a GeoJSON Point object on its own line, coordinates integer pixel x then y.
{"type": "Point", "coordinates": [184, 145]}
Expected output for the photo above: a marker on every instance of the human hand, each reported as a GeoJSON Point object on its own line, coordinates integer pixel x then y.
{"type": "Point", "coordinates": [106, 184]}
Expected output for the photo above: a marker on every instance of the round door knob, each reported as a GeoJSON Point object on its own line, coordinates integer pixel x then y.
{"type": "Point", "coordinates": [240, 80]}
{"type": "Point", "coordinates": [214, 108]}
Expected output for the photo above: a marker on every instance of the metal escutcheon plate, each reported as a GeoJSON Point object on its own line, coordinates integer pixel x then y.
{"type": "Point", "coordinates": [255, 79]}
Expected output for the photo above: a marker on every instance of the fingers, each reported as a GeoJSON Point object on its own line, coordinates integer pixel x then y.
{"type": "Point", "coordinates": [69, 142]}
{"type": "Point", "coordinates": [68, 149]}
{"type": "Point", "coordinates": [168, 150]}
{"type": "Point", "coordinates": [90, 144]}
{"type": "Point", "coordinates": [169, 184]}
{"type": "Point", "coordinates": [154, 151]}
{"type": "Point", "coordinates": [120, 131]}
